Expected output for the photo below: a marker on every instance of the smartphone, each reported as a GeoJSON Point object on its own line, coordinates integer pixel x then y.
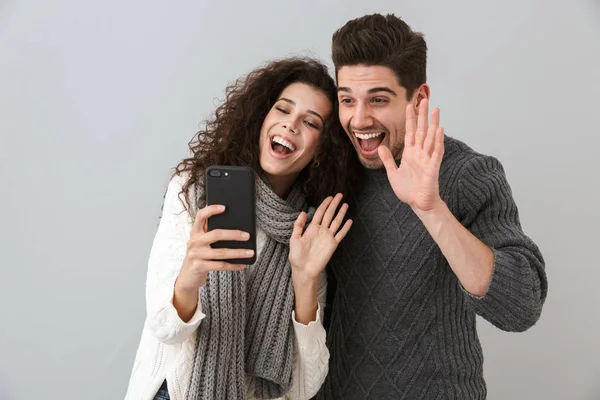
{"type": "Point", "coordinates": [233, 187]}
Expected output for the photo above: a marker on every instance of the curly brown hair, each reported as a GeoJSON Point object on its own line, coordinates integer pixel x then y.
{"type": "Point", "coordinates": [231, 136]}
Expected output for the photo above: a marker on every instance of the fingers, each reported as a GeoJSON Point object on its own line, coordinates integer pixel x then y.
{"type": "Point", "coordinates": [206, 254]}
{"type": "Point", "coordinates": [227, 254]}
{"type": "Point", "coordinates": [428, 145]}
{"type": "Point", "coordinates": [318, 217]}
{"type": "Point", "coordinates": [411, 126]}
{"type": "Point", "coordinates": [337, 222]}
{"type": "Point", "coordinates": [218, 235]}
{"type": "Point", "coordinates": [387, 159]}
{"type": "Point", "coordinates": [205, 259]}
{"type": "Point", "coordinates": [325, 216]}
{"type": "Point", "coordinates": [221, 266]}
{"type": "Point", "coordinates": [203, 215]}
{"type": "Point", "coordinates": [438, 148]}
{"type": "Point", "coordinates": [331, 209]}
{"type": "Point", "coordinates": [344, 231]}
{"type": "Point", "coordinates": [422, 123]}
{"type": "Point", "coordinates": [299, 225]}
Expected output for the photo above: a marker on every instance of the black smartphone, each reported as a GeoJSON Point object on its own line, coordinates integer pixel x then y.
{"type": "Point", "coordinates": [233, 187]}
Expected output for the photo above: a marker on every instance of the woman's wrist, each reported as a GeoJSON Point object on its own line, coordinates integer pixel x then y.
{"type": "Point", "coordinates": [305, 295]}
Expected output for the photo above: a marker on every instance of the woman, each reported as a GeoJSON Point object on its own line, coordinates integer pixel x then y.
{"type": "Point", "coordinates": [215, 330]}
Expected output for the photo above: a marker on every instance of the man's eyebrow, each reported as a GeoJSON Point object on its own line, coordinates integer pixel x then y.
{"type": "Point", "coordinates": [370, 91]}
{"type": "Point", "coordinates": [382, 89]}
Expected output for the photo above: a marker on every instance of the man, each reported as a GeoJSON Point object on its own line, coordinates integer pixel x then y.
{"type": "Point", "coordinates": [436, 239]}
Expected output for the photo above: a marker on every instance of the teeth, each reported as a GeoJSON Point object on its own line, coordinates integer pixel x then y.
{"type": "Point", "coordinates": [365, 136]}
{"type": "Point", "coordinates": [283, 142]}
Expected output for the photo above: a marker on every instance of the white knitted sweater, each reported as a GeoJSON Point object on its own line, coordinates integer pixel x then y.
{"type": "Point", "coordinates": [167, 345]}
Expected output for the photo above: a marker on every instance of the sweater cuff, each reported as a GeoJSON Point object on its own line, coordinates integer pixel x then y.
{"type": "Point", "coordinates": [508, 277]}
{"type": "Point", "coordinates": [193, 323]}
{"type": "Point", "coordinates": [307, 334]}
{"type": "Point", "coordinates": [172, 319]}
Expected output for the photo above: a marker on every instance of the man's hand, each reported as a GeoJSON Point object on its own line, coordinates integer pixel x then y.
{"type": "Point", "coordinates": [416, 181]}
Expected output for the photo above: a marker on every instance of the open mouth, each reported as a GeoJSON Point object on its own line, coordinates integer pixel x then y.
{"type": "Point", "coordinates": [369, 142]}
{"type": "Point", "coordinates": [281, 147]}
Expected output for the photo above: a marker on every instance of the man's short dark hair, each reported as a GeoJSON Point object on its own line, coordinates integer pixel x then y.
{"type": "Point", "coordinates": [382, 40]}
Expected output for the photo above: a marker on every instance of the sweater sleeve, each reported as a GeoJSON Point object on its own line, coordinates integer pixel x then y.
{"type": "Point", "coordinates": [517, 291]}
{"type": "Point", "coordinates": [166, 257]}
{"type": "Point", "coordinates": [311, 356]}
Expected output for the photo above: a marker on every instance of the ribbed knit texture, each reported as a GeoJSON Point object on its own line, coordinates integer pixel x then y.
{"type": "Point", "coordinates": [402, 326]}
{"type": "Point", "coordinates": [247, 325]}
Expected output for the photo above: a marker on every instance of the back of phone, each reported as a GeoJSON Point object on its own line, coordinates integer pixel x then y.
{"type": "Point", "coordinates": [233, 187]}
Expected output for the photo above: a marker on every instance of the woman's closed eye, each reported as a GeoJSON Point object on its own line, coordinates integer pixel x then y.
{"type": "Point", "coordinates": [312, 124]}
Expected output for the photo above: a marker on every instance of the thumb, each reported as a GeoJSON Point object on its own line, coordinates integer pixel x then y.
{"type": "Point", "coordinates": [387, 159]}
{"type": "Point", "coordinates": [299, 226]}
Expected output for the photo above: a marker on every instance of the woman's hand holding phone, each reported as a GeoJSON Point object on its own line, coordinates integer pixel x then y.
{"type": "Point", "coordinates": [201, 258]}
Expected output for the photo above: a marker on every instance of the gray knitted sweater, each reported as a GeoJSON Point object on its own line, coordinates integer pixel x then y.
{"type": "Point", "coordinates": [402, 326]}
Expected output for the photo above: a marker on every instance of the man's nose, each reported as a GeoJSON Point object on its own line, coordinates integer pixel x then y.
{"type": "Point", "coordinates": [361, 118]}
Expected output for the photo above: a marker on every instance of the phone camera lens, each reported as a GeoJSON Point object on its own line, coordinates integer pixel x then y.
{"type": "Point", "coordinates": [215, 173]}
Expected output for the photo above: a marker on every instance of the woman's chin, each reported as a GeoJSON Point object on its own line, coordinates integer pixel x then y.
{"type": "Point", "coordinates": [275, 167]}
{"type": "Point", "coordinates": [281, 168]}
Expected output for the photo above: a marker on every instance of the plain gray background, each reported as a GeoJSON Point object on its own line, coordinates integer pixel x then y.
{"type": "Point", "coordinates": [99, 99]}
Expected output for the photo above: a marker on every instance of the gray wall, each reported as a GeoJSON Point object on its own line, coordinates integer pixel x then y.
{"type": "Point", "coordinates": [99, 99]}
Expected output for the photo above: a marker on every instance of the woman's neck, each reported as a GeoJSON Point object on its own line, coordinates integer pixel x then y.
{"type": "Point", "coordinates": [281, 184]}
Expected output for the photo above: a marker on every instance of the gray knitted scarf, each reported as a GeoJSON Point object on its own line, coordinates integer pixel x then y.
{"type": "Point", "coordinates": [248, 327]}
